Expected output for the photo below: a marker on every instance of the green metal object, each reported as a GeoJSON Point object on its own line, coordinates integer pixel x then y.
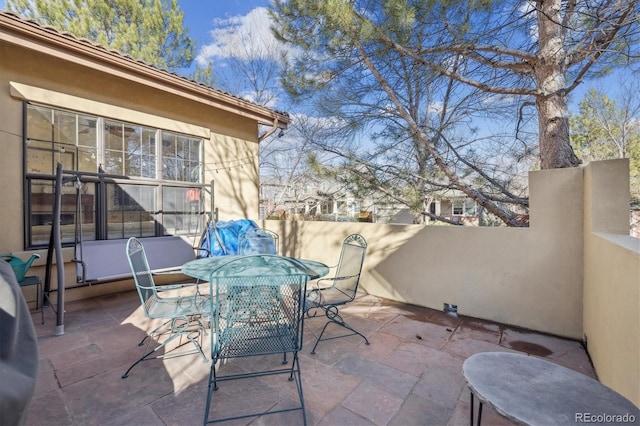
{"type": "Point", "coordinates": [257, 311]}
{"type": "Point", "coordinates": [331, 293]}
{"type": "Point", "coordinates": [181, 306]}
{"type": "Point", "coordinates": [19, 266]}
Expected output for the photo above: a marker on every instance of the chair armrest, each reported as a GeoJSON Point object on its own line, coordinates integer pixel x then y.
{"type": "Point", "coordinates": [164, 273]}
{"type": "Point", "coordinates": [318, 285]}
{"type": "Point", "coordinates": [175, 286]}
{"type": "Point", "coordinates": [322, 283]}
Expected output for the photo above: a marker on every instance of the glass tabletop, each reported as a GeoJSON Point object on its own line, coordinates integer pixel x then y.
{"type": "Point", "coordinates": [204, 268]}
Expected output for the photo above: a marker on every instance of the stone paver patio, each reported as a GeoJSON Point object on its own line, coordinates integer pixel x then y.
{"type": "Point", "coordinates": [410, 374]}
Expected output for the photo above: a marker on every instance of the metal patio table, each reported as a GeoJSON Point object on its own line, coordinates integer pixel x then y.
{"type": "Point", "coordinates": [203, 268]}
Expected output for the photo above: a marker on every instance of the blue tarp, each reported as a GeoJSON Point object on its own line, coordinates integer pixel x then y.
{"type": "Point", "coordinates": [221, 238]}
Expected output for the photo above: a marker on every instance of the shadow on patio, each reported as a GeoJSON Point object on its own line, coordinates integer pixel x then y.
{"type": "Point", "coordinates": [411, 374]}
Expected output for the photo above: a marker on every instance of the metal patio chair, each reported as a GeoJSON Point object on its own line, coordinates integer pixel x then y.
{"type": "Point", "coordinates": [257, 311]}
{"type": "Point", "coordinates": [258, 241]}
{"type": "Point", "coordinates": [182, 312]}
{"type": "Point", "coordinates": [331, 293]}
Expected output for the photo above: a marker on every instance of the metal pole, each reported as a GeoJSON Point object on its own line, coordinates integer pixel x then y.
{"type": "Point", "coordinates": [57, 243]}
{"type": "Point", "coordinates": [214, 214]}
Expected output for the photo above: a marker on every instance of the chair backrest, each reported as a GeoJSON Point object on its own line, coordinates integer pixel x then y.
{"type": "Point", "coordinates": [349, 268]}
{"type": "Point", "coordinates": [258, 306]}
{"type": "Point", "coordinates": [258, 241]}
{"type": "Point", "coordinates": [141, 272]}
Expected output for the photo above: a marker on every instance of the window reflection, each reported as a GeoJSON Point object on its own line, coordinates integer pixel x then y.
{"type": "Point", "coordinates": [83, 142]}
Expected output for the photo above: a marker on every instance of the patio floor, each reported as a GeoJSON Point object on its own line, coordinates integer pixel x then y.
{"type": "Point", "coordinates": [411, 374]}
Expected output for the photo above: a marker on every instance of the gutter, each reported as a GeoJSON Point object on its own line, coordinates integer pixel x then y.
{"type": "Point", "coordinates": [48, 40]}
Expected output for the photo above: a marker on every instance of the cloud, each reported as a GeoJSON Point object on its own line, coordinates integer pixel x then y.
{"type": "Point", "coordinates": [242, 37]}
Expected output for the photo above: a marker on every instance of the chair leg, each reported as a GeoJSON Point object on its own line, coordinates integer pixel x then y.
{"type": "Point", "coordinates": [212, 386]}
{"type": "Point", "coordinates": [334, 317]}
{"type": "Point", "coordinates": [293, 372]}
{"type": "Point", "coordinates": [175, 331]}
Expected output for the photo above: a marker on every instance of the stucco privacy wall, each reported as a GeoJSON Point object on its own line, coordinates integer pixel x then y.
{"type": "Point", "coordinates": [526, 277]}
{"type": "Point", "coordinates": [611, 279]}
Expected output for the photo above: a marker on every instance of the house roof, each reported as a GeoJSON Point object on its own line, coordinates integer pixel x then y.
{"type": "Point", "coordinates": [46, 39]}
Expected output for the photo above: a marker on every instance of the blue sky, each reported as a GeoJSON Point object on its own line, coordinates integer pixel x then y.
{"type": "Point", "coordinates": [232, 18]}
{"type": "Point", "coordinates": [199, 15]}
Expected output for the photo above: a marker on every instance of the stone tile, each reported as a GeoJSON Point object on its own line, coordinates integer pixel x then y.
{"type": "Point", "coordinates": [96, 400]}
{"type": "Point", "coordinates": [82, 305]}
{"type": "Point", "coordinates": [417, 411]}
{"type": "Point", "coordinates": [467, 341]}
{"type": "Point", "coordinates": [446, 319]}
{"type": "Point", "coordinates": [374, 403]}
{"type": "Point", "coordinates": [344, 417]}
{"type": "Point", "coordinates": [476, 333]}
{"type": "Point", "coordinates": [443, 360]}
{"type": "Point", "coordinates": [419, 331]}
{"type": "Point", "coordinates": [46, 381]}
{"type": "Point", "coordinates": [382, 346]}
{"type": "Point", "coordinates": [325, 387]}
{"type": "Point", "coordinates": [49, 345]}
{"type": "Point", "coordinates": [332, 350]}
{"type": "Point", "coordinates": [77, 355]}
{"type": "Point", "coordinates": [391, 379]}
{"type": "Point", "coordinates": [141, 416]}
{"type": "Point", "coordinates": [569, 353]}
{"type": "Point", "coordinates": [460, 415]}
{"type": "Point", "coordinates": [79, 371]}
{"type": "Point", "coordinates": [481, 324]}
{"type": "Point", "coordinates": [233, 398]}
{"type": "Point", "coordinates": [441, 386]}
{"type": "Point", "coordinates": [410, 357]}
{"type": "Point", "coordinates": [400, 379]}
{"type": "Point", "coordinates": [49, 409]}
{"type": "Point", "coordinates": [105, 323]}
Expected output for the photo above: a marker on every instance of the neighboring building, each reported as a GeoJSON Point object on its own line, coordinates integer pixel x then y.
{"type": "Point", "coordinates": [308, 198]}
{"type": "Point", "coordinates": [313, 198]}
{"type": "Point", "coordinates": [159, 138]}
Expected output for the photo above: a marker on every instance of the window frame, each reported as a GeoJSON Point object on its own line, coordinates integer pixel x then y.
{"type": "Point", "coordinates": [100, 229]}
{"type": "Point", "coordinates": [467, 206]}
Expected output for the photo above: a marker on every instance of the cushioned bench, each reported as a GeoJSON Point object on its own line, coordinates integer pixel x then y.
{"type": "Point", "coordinates": [106, 260]}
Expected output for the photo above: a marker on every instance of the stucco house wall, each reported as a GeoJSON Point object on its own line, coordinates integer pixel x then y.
{"type": "Point", "coordinates": [43, 66]}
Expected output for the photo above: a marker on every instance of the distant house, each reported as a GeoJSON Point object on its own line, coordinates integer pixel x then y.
{"type": "Point", "coordinates": [455, 206]}
{"type": "Point", "coordinates": [143, 143]}
{"type": "Point", "coordinates": [314, 198]}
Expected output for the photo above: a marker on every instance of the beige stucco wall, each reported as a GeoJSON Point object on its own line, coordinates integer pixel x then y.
{"type": "Point", "coordinates": [565, 275]}
{"type": "Point", "coordinates": [85, 87]}
{"type": "Point", "coordinates": [611, 279]}
{"type": "Point", "coordinates": [529, 277]}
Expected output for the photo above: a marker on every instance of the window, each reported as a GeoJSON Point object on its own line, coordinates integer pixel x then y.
{"type": "Point", "coordinates": [146, 190]}
{"type": "Point", "coordinates": [180, 157]}
{"type": "Point", "coordinates": [464, 207]}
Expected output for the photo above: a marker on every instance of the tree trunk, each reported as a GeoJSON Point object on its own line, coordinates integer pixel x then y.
{"type": "Point", "coordinates": [552, 102]}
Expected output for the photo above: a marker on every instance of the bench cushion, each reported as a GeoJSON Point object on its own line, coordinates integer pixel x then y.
{"type": "Point", "coordinates": [106, 260]}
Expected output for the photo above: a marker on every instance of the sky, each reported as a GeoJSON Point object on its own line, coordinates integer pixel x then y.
{"type": "Point", "coordinates": [199, 15]}
{"type": "Point", "coordinates": [240, 17]}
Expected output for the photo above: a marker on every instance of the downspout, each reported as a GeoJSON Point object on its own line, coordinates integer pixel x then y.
{"type": "Point", "coordinates": [271, 131]}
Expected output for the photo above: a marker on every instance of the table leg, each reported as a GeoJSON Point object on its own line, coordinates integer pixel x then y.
{"type": "Point", "coordinates": [479, 412]}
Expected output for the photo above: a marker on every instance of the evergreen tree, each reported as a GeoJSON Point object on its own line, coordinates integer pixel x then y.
{"type": "Point", "coordinates": [148, 30]}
